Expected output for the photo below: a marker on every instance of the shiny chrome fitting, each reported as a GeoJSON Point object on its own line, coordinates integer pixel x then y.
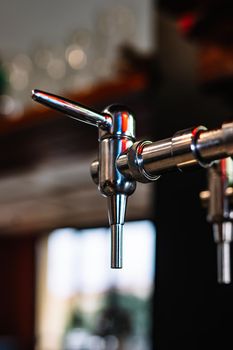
{"type": "Point", "coordinates": [184, 142]}
{"type": "Point", "coordinates": [136, 165]}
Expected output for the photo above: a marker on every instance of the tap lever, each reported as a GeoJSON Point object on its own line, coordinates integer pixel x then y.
{"type": "Point", "coordinates": [73, 109]}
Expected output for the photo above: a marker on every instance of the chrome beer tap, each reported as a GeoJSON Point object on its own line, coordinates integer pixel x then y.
{"type": "Point", "coordinates": [122, 161]}
{"type": "Point", "coordinates": [116, 135]}
{"type": "Point", "coordinates": [218, 200]}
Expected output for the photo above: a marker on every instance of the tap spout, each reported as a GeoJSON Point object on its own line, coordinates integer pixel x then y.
{"type": "Point", "coordinates": [116, 212]}
{"type": "Point", "coordinates": [223, 237]}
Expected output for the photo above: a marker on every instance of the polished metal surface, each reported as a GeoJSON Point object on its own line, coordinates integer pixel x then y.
{"type": "Point", "coordinates": [122, 162]}
{"type": "Point", "coordinates": [175, 153]}
{"type": "Point", "coordinates": [135, 162]}
{"type": "Point", "coordinates": [94, 170]}
{"type": "Point", "coordinates": [112, 183]}
{"type": "Point", "coordinates": [72, 109]}
{"type": "Point", "coordinates": [218, 200]}
{"type": "Point", "coordinates": [116, 135]}
{"type": "Point", "coordinates": [116, 213]}
{"type": "Point", "coordinates": [145, 161]}
{"type": "Point", "coordinates": [223, 263]}
{"type": "Point", "coordinates": [216, 144]}
{"type": "Point", "coordinates": [223, 237]}
{"type": "Point", "coordinates": [191, 147]}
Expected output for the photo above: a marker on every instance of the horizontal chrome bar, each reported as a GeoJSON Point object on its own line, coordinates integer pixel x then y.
{"type": "Point", "coordinates": [182, 151]}
{"type": "Point", "coordinates": [216, 144]}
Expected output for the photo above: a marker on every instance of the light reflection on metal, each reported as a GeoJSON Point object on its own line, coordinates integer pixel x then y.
{"type": "Point", "coordinates": [76, 57]}
{"type": "Point", "coordinates": [122, 161]}
{"type": "Point", "coordinates": [56, 68]}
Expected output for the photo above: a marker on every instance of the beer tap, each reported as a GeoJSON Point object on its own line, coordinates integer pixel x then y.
{"type": "Point", "coordinates": [122, 161]}
{"type": "Point", "coordinates": [218, 200]}
{"type": "Point", "coordinates": [116, 135]}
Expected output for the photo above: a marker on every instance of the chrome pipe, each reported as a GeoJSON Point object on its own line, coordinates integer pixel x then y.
{"type": "Point", "coordinates": [216, 144]}
{"type": "Point", "coordinates": [187, 148]}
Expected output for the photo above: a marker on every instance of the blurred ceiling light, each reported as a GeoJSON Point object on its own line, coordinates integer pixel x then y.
{"type": "Point", "coordinates": [102, 68]}
{"type": "Point", "coordinates": [23, 62]}
{"type": "Point", "coordinates": [19, 78]}
{"type": "Point", "coordinates": [56, 68]}
{"type": "Point", "coordinates": [10, 107]}
{"type": "Point", "coordinates": [7, 105]}
{"type": "Point", "coordinates": [42, 58]}
{"type": "Point", "coordinates": [117, 21]}
{"type": "Point", "coordinates": [19, 70]}
{"type": "Point", "coordinates": [81, 37]}
{"type": "Point", "coordinates": [76, 57]}
{"type": "Point", "coordinates": [80, 82]}
{"type": "Point", "coordinates": [125, 20]}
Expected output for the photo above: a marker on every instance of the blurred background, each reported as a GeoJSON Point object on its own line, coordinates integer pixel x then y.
{"type": "Point", "coordinates": [171, 62]}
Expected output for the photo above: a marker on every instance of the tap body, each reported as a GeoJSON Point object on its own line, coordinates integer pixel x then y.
{"type": "Point", "coordinates": [116, 186]}
{"type": "Point", "coordinates": [116, 127]}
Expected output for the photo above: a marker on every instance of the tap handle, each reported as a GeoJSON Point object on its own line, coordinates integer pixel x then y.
{"type": "Point", "coordinates": [72, 109]}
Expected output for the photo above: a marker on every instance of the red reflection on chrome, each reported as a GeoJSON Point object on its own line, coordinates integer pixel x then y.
{"type": "Point", "coordinates": [124, 121]}
{"type": "Point", "coordinates": [124, 146]}
{"type": "Point", "coordinates": [195, 131]}
{"type": "Point", "coordinates": [223, 164]}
